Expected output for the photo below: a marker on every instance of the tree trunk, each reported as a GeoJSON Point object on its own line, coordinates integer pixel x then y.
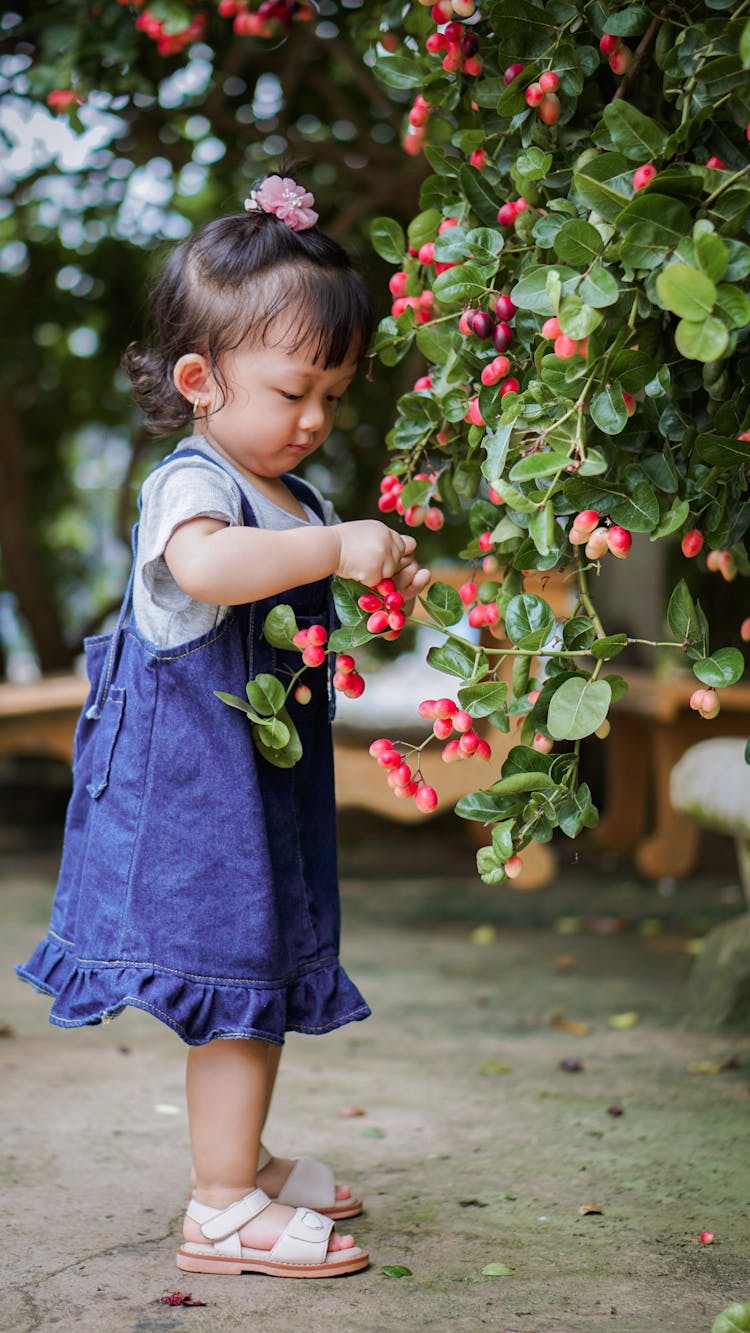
{"type": "Point", "coordinates": [21, 564]}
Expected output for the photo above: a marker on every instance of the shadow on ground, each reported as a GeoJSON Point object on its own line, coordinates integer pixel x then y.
{"type": "Point", "coordinates": [475, 1146]}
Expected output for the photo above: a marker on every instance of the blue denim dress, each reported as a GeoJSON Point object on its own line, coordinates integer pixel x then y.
{"type": "Point", "coordinates": [198, 881]}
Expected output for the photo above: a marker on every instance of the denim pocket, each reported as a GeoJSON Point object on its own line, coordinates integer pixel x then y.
{"type": "Point", "coordinates": [104, 742]}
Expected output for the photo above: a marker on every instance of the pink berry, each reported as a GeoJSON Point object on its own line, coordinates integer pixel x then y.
{"type": "Point", "coordinates": [414, 515]}
{"type": "Point", "coordinates": [468, 743]}
{"type": "Point", "coordinates": [620, 60]}
{"type": "Point", "coordinates": [513, 866]}
{"type": "Point", "coordinates": [551, 328]}
{"type": "Point", "coordinates": [389, 759]}
{"type": "Point", "coordinates": [356, 685]}
{"type": "Point", "coordinates": [462, 720]}
{"type": "Point", "coordinates": [445, 708]}
{"type": "Point", "coordinates": [478, 159]}
{"type": "Point", "coordinates": [491, 613]}
{"type": "Point", "coordinates": [424, 382]}
{"type": "Point", "coordinates": [549, 82]}
{"type": "Point", "coordinates": [542, 743]}
{"type": "Point", "coordinates": [300, 639]}
{"type": "Point", "coordinates": [619, 541]}
{"type": "Point", "coordinates": [385, 586]}
{"type": "Point", "coordinates": [483, 750]}
{"type": "Point", "coordinates": [745, 630]}
{"type": "Point", "coordinates": [473, 413]}
{"type": "Point", "coordinates": [426, 798]}
{"type": "Point", "coordinates": [401, 775]}
{"type": "Point", "coordinates": [468, 592]}
{"type": "Point", "coordinates": [643, 175]}
{"type": "Point", "coordinates": [378, 622]}
{"type": "Point", "coordinates": [510, 386]}
{"type": "Point", "coordinates": [345, 663]}
{"type": "Point", "coordinates": [442, 728]}
{"type": "Point", "coordinates": [426, 252]}
{"type": "Point", "coordinates": [534, 94]}
{"type": "Point", "coordinates": [692, 543]}
{"type": "Point", "coordinates": [477, 616]}
{"type": "Point", "coordinates": [486, 541]}
{"type": "Point", "coordinates": [450, 752]}
{"type": "Point", "coordinates": [434, 519]}
{"type": "Point", "coordinates": [511, 73]}
{"type": "Point", "coordinates": [303, 694]}
{"type": "Point", "coordinates": [436, 43]}
{"type": "Point", "coordinates": [473, 66]}
{"type": "Point", "coordinates": [398, 283]}
{"type": "Point", "coordinates": [317, 635]}
{"type": "Point", "coordinates": [427, 709]}
{"type": "Point", "coordinates": [597, 544]}
{"type": "Point", "coordinates": [396, 620]}
{"type": "Point", "coordinates": [549, 109]}
{"type": "Point", "coordinates": [369, 601]}
{"type": "Point", "coordinates": [565, 347]}
{"type": "Point", "coordinates": [716, 164]}
{"type": "Point", "coordinates": [707, 1238]}
{"type": "Point", "coordinates": [314, 656]}
{"type": "Point", "coordinates": [627, 398]}
{"type": "Point", "coordinates": [586, 521]}
{"type": "Point", "coordinates": [380, 746]}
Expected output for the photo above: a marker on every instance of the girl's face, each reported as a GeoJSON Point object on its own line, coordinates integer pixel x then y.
{"type": "Point", "coordinates": [279, 407]}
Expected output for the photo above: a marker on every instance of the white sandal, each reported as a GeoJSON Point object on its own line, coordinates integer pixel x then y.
{"type": "Point", "coordinates": [300, 1251]}
{"type": "Point", "coordinates": [311, 1184]}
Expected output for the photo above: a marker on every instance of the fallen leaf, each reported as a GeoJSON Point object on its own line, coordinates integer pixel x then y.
{"type": "Point", "coordinates": [348, 1112]}
{"type": "Point", "coordinates": [588, 1208]}
{"type": "Point", "coordinates": [6, 1030]}
{"type": "Point", "coordinates": [471, 1203]}
{"type": "Point", "coordinates": [622, 1021]}
{"type": "Point", "coordinates": [493, 1067]}
{"type": "Point", "coordinates": [704, 1067]}
{"type": "Point", "coordinates": [571, 1066]}
{"type": "Point", "coordinates": [179, 1298]}
{"type": "Point", "coordinates": [569, 1025]}
{"type": "Point", "coordinates": [615, 1110]}
{"type": "Point", "coordinates": [372, 1132]}
{"type": "Point", "coordinates": [483, 935]}
{"type": "Point", "coordinates": [731, 1062]}
{"type": "Point", "coordinates": [396, 1270]}
{"type": "Point", "coordinates": [498, 1270]}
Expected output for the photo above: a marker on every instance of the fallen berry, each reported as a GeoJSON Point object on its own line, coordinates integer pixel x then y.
{"type": "Point", "coordinates": [571, 1065]}
{"type": "Point", "coordinates": [707, 1238]}
{"type": "Point", "coordinates": [614, 1110]}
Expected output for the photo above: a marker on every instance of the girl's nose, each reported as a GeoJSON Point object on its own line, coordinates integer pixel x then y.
{"type": "Point", "coordinates": [312, 416]}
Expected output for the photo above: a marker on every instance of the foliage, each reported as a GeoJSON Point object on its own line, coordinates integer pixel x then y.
{"type": "Point", "coordinates": [596, 221]}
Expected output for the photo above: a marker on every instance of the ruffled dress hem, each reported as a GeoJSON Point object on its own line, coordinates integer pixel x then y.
{"type": "Point", "coordinates": [317, 999]}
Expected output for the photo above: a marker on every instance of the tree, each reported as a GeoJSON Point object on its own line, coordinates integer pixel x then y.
{"type": "Point", "coordinates": [576, 279]}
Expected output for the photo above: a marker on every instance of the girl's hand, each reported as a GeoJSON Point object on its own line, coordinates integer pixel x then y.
{"type": "Point", "coordinates": [370, 551]}
{"type": "Point", "coordinates": [411, 580]}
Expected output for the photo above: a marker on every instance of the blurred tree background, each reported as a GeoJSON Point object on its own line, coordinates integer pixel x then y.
{"type": "Point", "coordinates": [88, 200]}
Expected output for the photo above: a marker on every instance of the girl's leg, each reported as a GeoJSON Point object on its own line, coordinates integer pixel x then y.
{"type": "Point", "coordinates": [273, 1176]}
{"type": "Point", "coordinates": [227, 1096]}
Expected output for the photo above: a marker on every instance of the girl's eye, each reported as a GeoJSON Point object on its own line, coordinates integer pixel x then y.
{"type": "Point", "coordinates": [292, 397]}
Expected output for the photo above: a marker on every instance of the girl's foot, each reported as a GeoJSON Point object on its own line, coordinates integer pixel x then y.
{"type": "Point", "coordinates": [263, 1231]}
{"type": "Point", "coordinates": [274, 1175]}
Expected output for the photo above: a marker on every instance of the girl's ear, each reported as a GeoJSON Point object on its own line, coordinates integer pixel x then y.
{"type": "Point", "coordinates": [192, 378]}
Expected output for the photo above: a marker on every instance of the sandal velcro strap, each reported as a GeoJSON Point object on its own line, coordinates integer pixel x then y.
{"type": "Point", "coordinates": [218, 1224]}
{"type": "Point", "coordinates": [304, 1240]}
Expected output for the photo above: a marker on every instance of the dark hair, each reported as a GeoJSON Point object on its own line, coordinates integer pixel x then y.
{"type": "Point", "coordinates": [228, 282]}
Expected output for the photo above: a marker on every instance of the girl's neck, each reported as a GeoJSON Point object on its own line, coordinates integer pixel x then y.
{"type": "Point", "coordinates": [273, 488]}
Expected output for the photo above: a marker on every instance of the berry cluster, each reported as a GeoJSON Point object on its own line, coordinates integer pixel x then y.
{"type": "Point", "coordinates": [402, 781]}
{"type": "Point", "coordinates": [422, 305]}
{"type": "Point", "coordinates": [543, 96]}
{"type": "Point", "coordinates": [508, 212]}
{"type": "Point", "coordinates": [705, 702]}
{"type": "Point", "coordinates": [599, 535]}
{"type": "Point", "coordinates": [313, 642]}
{"type": "Point", "coordinates": [459, 48]}
{"type": "Point", "coordinates": [480, 603]}
{"type": "Point", "coordinates": [170, 43]}
{"type": "Point", "coordinates": [447, 717]}
{"type": "Point", "coordinates": [266, 19]}
{"type": "Point", "coordinates": [619, 56]}
{"type": "Point", "coordinates": [724, 563]}
{"type": "Point", "coordinates": [419, 114]}
{"type": "Point", "coordinates": [384, 609]}
{"type": "Point", "coordinates": [346, 678]}
{"type": "Point", "coordinates": [564, 347]}
{"type": "Point", "coordinates": [417, 514]}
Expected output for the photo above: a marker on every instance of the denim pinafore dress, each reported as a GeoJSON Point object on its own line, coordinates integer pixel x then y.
{"type": "Point", "coordinates": [198, 881]}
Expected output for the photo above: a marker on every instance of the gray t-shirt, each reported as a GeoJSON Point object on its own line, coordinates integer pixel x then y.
{"type": "Point", "coordinates": [184, 489]}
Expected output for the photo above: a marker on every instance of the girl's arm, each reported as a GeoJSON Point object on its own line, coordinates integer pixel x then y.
{"type": "Point", "coordinates": [226, 566]}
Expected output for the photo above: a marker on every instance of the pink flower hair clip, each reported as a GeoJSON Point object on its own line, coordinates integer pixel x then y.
{"type": "Point", "coordinates": [287, 200]}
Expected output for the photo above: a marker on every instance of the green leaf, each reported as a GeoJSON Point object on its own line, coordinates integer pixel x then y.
{"type": "Point", "coordinates": [388, 239]}
{"type": "Point", "coordinates": [578, 708]}
{"type": "Point", "coordinates": [634, 370]}
{"type": "Point", "coordinates": [577, 242]}
{"type": "Point", "coordinates": [399, 72]}
{"type": "Point", "coordinates": [656, 224]}
{"type": "Point", "coordinates": [523, 782]}
{"type": "Point", "coordinates": [396, 1270]}
{"type": "Point", "coordinates": [458, 285]}
{"type": "Point", "coordinates": [577, 319]}
{"type": "Point", "coordinates": [672, 520]}
{"type": "Point", "coordinates": [686, 291]}
{"type": "Point", "coordinates": [712, 255]}
{"type": "Point", "coordinates": [489, 868]}
{"type": "Point", "coordinates": [538, 465]}
{"type": "Point", "coordinates": [481, 199]}
{"type": "Point", "coordinates": [637, 136]}
{"type": "Point", "coordinates": [280, 627]}
{"type": "Point", "coordinates": [682, 615]}
{"type": "Point", "coordinates": [605, 184]}
{"type": "Point", "coordinates": [482, 806]}
{"type": "Point", "coordinates": [424, 227]}
{"type": "Point", "coordinates": [733, 305]}
{"type": "Point", "coordinates": [456, 659]}
{"type": "Point", "coordinates": [533, 164]}
{"type": "Point", "coordinates": [530, 292]}
{"type": "Point", "coordinates": [706, 341]}
{"type": "Point", "coordinates": [599, 287]}
{"type": "Point", "coordinates": [287, 756]}
{"type": "Point", "coordinates": [498, 1270]}
{"type": "Point", "coordinates": [745, 58]}
{"type": "Point", "coordinates": [502, 840]}
{"type": "Point", "coordinates": [577, 812]}
{"type": "Point", "coordinates": [234, 701]}
{"type": "Point", "coordinates": [629, 21]}
{"type": "Point", "coordinates": [578, 634]}
{"type": "Point", "coordinates": [723, 450]}
{"type": "Point", "coordinates": [722, 668]}
{"type": "Point", "coordinates": [274, 733]}
{"type": "Point", "coordinates": [266, 693]}
{"type": "Point", "coordinates": [529, 621]}
{"type": "Point", "coordinates": [608, 410]}
{"type": "Point", "coordinates": [483, 698]}
{"type": "Point", "coordinates": [443, 603]}
{"type": "Point", "coordinates": [609, 646]}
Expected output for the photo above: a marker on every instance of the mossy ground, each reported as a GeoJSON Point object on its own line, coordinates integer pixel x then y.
{"type": "Point", "coordinates": [476, 1147]}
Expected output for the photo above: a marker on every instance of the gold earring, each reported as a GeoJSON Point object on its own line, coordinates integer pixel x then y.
{"type": "Point", "coordinates": [196, 405]}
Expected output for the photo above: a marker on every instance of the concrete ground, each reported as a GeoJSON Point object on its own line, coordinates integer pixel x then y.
{"type": "Point", "coordinates": [475, 1146]}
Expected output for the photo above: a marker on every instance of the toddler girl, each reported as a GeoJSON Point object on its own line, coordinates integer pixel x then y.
{"type": "Point", "coordinates": [198, 880]}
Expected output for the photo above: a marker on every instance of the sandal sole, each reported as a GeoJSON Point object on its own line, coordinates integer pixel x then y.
{"type": "Point", "coordinates": [198, 1263]}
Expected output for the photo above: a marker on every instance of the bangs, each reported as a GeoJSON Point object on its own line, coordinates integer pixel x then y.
{"type": "Point", "coordinates": [294, 307]}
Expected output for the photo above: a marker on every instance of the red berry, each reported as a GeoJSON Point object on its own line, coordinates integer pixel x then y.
{"type": "Point", "coordinates": [619, 541]}
{"type": "Point", "coordinates": [434, 519]}
{"type": "Point", "coordinates": [378, 622]}
{"type": "Point", "coordinates": [621, 59]}
{"type": "Point", "coordinates": [369, 601]}
{"type": "Point", "coordinates": [513, 867]}
{"type": "Point", "coordinates": [442, 728]}
{"type": "Point", "coordinates": [462, 720]}
{"type": "Point", "coordinates": [424, 382]}
{"type": "Point", "coordinates": [340, 680]}
{"type": "Point", "coordinates": [473, 66]}
{"type": "Point", "coordinates": [345, 663]}
{"type": "Point", "coordinates": [692, 543]}
{"type": "Point", "coordinates": [716, 164]}
{"type": "Point", "coordinates": [502, 337]}
{"type": "Point", "coordinates": [478, 159]}
{"type": "Point", "coordinates": [510, 386]}
{"type": "Point", "coordinates": [450, 752]}
{"type": "Point", "coordinates": [565, 347]}
{"type": "Point", "coordinates": [643, 175]}
{"type": "Point", "coordinates": [379, 747]}
{"type": "Point", "coordinates": [356, 685]}
{"type": "Point", "coordinates": [609, 43]}
{"type": "Point", "coordinates": [396, 620]}
{"type": "Point", "coordinates": [551, 328]}
{"type": "Point", "coordinates": [486, 541]}
{"type": "Point", "coordinates": [477, 616]}
{"type": "Point", "coordinates": [394, 601]}
{"type": "Point", "coordinates": [389, 758]}
{"type": "Point", "coordinates": [549, 82]}
{"type": "Point", "coordinates": [401, 774]}
{"type": "Point", "coordinates": [300, 639]}
{"type": "Point", "coordinates": [483, 750]}
{"type": "Point", "coordinates": [507, 214]}
{"type": "Point", "coordinates": [446, 225]}
{"type": "Point", "coordinates": [317, 635]}
{"type": "Point", "coordinates": [314, 656]}
{"type": "Point", "coordinates": [385, 586]}
{"type": "Point", "coordinates": [445, 708]}
{"type": "Point", "coordinates": [426, 252]}
{"type": "Point", "coordinates": [426, 798]}
{"type": "Point", "coordinates": [511, 73]}
{"type": "Point", "coordinates": [745, 630]}
{"type": "Point", "coordinates": [473, 413]}
{"type": "Point", "coordinates": [504, 308]}
{"type": "Point", "coordinates": [468, 743]}
{"type": "Point", "coordinates": [534, 94]}
{"type": "Point", "coordinates": [453, 61]}
{"type": "Point", "coordinates": [387, 503]}
{"type": "Point", "coordinates": [436, 43]}
{"type": "Point", "coordinates": [468, 592]}
{"type": "Point", "coordinates": [627, 398]}
{"type": "Point", "coordinates": [482, 325]}
{"type": "Point", "coordinates": [494, 497]}
{"type": "Point", "coordinates": [414, 515]}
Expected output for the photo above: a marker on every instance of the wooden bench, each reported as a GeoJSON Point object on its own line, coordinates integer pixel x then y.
{"type": "Point", "coordinates": [652, 727]}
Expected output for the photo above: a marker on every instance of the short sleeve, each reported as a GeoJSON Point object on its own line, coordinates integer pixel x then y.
{"type": "Point", "coordinates": [173, 495]}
